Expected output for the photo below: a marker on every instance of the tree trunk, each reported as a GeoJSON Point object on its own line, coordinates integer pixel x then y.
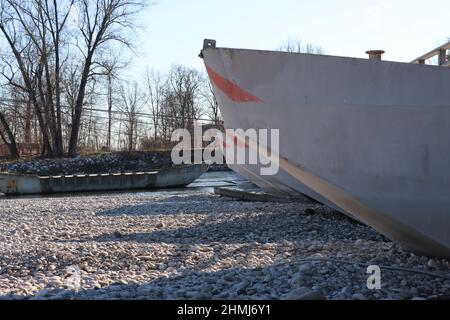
{"type": "Point", "coordinates": [59, 139]}
{"type": "Point", "coordinates": [12, 145]}
{"type": "Point", "coordinates": [73, 142]}
{"type": "Point", "coordinates": [130, 137]}
{"type": "Point", "coordinates": [109, 111]}
{"type": "Point", "coordinates": [28, 118]}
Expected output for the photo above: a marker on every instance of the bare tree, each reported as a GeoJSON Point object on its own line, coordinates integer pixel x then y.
{"type": "Point", "coordinates": [30, 30]}
{"type": "Point", "coordinates": [210, 103]}
{"type": "Point", "coordinates": [41, 42]}
{"type": "Point", "coordinates": [182, 92]}
{"type": "Point", "coordinates": [131, 103]}
{"type": "Point", "coordinates": [101, 23]}
{"type": "Point", "coordinates": [18, 113]}
{"type": "Point", "coordinates": [112, 66]}
{"type": "Point", "coordinates": [154, 91]}
{"type": "Point", "coordinates": [298, 46]}
{"type": "Point", "coordinates": [8, 137]}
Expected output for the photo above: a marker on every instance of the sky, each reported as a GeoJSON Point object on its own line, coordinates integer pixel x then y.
{"type": "Point", "coordinates": [173, 30]}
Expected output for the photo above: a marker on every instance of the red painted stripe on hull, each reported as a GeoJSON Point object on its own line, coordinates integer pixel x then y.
{"type": "Point", "coordinates": [231, 89]}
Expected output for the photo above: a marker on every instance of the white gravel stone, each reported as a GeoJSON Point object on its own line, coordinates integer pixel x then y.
{"type": "Point", "coordinates": [193, 244]}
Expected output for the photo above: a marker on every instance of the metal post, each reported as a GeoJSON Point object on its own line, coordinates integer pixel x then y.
{"type": "Point", "coordinates": [442, 57]}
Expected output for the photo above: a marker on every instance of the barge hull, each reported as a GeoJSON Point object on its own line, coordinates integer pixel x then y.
{"type": "Point", "coordinates": [370, 138]}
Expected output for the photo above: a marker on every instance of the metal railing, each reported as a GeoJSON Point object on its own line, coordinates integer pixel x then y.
{"type": "Point", "coordinates": [441, 52]}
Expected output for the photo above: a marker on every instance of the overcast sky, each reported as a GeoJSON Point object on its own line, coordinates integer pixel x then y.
{"type": "Point", "coordinates": [174, 29]}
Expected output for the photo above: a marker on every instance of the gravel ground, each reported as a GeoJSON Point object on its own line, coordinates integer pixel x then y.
{"type": "Point", "coordinates": [196, 245]}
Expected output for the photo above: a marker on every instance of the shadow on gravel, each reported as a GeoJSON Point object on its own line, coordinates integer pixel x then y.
{"type": "Point", "coordinates": [191, 284]}
{"type": "Point", "coordinates": [182, 204]}
{"type": "Point", "coordinates": [264, 228]}
{"type": "Point", "coordinates": [280, 280]}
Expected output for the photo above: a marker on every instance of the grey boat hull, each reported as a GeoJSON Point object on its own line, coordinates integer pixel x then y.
{"type": "Point", "coordinates": [369, 138]}
{"type": "Point", "coordinates": [13, 184]}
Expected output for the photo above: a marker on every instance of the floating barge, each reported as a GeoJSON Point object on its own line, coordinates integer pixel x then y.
{"type": "Point", "coordinates": [368, 137]}
{"type": "Point", "coordinates": [22, 184]}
